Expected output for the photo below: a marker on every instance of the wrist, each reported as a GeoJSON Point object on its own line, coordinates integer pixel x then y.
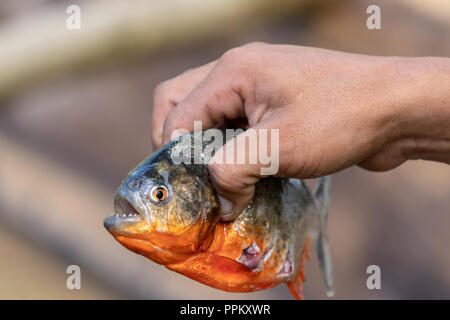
{"type": "Point", "coordinates": [421, 105]}
{"type": "Point", "coordinates": [415, 108]}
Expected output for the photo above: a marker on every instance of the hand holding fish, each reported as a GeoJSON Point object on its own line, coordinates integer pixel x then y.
{"type": "Point", "coordinates": [333, 110]}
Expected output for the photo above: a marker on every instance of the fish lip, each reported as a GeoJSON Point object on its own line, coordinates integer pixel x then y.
{"type": "Point", "coordinates": [113, 222]}
{"type": "Point", "coordinates": [124, 209]}
{"type": "Point", "coordinates": [125, 213]}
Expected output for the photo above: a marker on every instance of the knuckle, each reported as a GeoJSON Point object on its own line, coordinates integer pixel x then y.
{"type": "Point", "coordinates": [233, 55]}
{"type": "Point", "coordinates": [186, 73]}
{"type": "Point", "coordinates": [254, 44]}
{"type": "Point", "coordinates": [241, 60]}
{"type": "Point", "coordinates": [161, 90]}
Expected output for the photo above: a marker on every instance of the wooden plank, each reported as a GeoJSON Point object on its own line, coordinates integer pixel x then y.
{"type": "Point", "coordinates": [39, 45]}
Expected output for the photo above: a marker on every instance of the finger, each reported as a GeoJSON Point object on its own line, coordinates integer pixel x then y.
{"type": "Point", "coordinates": [238, 166]}
{"type": "Point", "coordinates": [162, 104]}
{"type": "Point", "coordinates": [169, 93]}
{"type": "Point", "coordinates": [216, 98]}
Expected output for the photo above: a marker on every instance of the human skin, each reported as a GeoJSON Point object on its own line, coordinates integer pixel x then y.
{"type": "Point", "coordinates": [333, 110]}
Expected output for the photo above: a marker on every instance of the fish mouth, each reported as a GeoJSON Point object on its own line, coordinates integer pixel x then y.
{"type": "Point", "coordinates": [125, 215]}
{"type": "Point", "coordinates": [128, 227]}
{"type": "Point", "coordinates": [124, 209]}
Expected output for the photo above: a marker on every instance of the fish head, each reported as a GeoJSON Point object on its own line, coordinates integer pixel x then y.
{"type": "Point", "coordinates": [165, 211]}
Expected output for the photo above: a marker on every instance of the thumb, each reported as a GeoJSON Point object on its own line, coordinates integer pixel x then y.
{"type": "Point", "coordinates": [235, 169]}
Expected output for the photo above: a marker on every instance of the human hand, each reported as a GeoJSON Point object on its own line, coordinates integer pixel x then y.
{"type": "Point", "coordinates": [333, 110]}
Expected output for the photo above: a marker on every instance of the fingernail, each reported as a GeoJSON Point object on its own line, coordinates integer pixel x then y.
{"type": "Point", "coordinates": [226, 208]}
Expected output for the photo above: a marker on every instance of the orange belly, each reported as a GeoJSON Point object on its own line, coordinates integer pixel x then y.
{"type": "Point", "coordinates": [218, 267]}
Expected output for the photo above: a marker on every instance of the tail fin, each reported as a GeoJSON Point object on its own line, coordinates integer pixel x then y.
{"type": "Point", "coordinates": [322, 197]}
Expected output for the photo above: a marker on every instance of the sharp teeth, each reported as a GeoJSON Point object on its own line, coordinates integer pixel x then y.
{"type": "Point", "coordinates": [125, 215]}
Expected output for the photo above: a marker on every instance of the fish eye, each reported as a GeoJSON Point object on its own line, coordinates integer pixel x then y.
{"type": "Point", "coordinates": [159, 194]}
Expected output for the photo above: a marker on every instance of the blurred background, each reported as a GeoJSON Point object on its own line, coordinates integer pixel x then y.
{"type": "Point", "coordinates": [75, 108]}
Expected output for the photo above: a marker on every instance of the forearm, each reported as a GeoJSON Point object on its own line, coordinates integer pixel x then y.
{"type": "Point", "coordinates": [423, 124]}
{"type": "Point", "coordinates": [428, 111]}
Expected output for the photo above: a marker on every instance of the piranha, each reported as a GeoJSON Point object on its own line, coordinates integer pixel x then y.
{"type": "Point", "coordinates": [168, 211]}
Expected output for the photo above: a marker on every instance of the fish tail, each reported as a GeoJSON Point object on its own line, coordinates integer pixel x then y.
{"type": "Point", "coordinates": [322, 197]}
